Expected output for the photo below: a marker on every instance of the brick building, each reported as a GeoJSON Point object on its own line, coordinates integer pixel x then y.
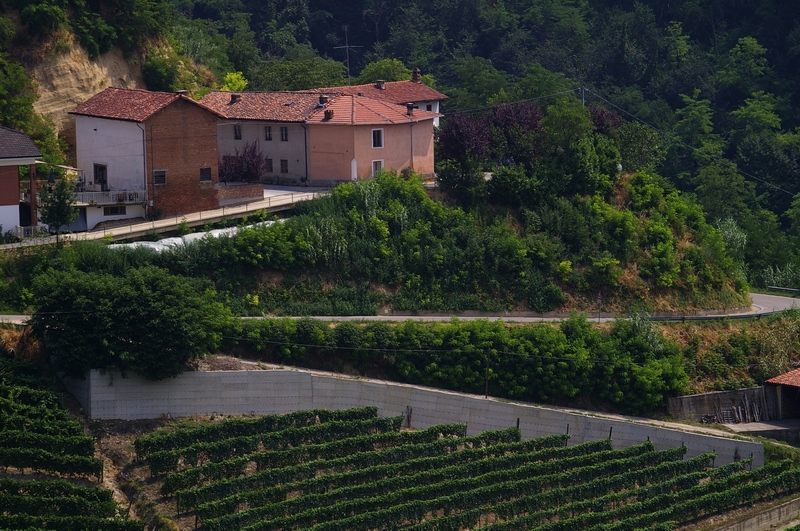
{"type": "Point", "coordinates": [16, 149]}
{"type": "Point", "coordinates": [147, 154]}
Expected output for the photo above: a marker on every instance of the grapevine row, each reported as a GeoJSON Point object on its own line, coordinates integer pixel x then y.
{"type": "Point", "coordinates": [387, 478]}
{"type": "Point", "coordinates": [193, 477]}
{"type": "Point", "coordinates": [468, 491]}
{"type": "Point", "coordinates": [169, 460]}
{"type": "Point", "coordinates": [183, 437]}
{"type": "Point", "coordinates": [68, 523]}
{"type": "Point", "coordinates": [44, 461]}
{"type": "Point", "coordinates": [53, 488]}
{"type": "Point", "coordinates": [57, 444]}
{"type": "Point", "coordinates": [437, 453]}
{"type": "Point", "coordinates": [690, 471]}
{"type": "Point", "coordinates": [606, 509]}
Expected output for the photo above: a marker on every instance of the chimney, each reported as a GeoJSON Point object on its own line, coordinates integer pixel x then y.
{"type": "Point", "coordinates": [380, 84]}
{"type": "Point", "coordinates": [410, 109]}
{"type": "Point", "coordinates": [415, 75]}
{"type": "Point", "coordinates": [360, 93]}
{"type": "Point", "coordinates": [323, 99]}
{"type": "Point", "coordinates": [235, 98]}
{"type": "Point", "coordinates": [328, 115]}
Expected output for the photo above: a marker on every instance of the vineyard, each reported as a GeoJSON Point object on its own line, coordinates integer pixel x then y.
{"type": "Point", "coordinates": [350, 469]}
{"type": "Point", "coordinates": [37, 436]}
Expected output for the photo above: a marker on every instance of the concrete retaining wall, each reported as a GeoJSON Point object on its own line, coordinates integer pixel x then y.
{"type": "Point", "coordinates": [109, 396]}
{"type": "Point", "coordinates": [775, 518]}
{"type": "Point", "coordinates": [693, 407]}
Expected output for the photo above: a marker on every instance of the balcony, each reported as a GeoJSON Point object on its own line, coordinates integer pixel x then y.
{"type": "Point", "coordinates": [109, 197]}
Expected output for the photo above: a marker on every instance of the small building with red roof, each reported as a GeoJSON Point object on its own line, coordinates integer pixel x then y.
{"type": "Point", "coordinates": [784, 389]}
{"type": "Point", "coordinates": [16, 149]}
{"type": "Point", "coordinates": [412, 91]}
{"type": "Point", "coordinates": [146, 154]}
{"type": "Point", "coordinates": [352, 137]}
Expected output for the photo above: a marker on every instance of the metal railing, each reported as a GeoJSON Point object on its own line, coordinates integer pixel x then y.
{"type": "Point", "coordinates": [38, 231]}
{"type": "Point", "coordinates": [112, 197]}
{"type": "Point", "coordinates": [37, 236]}
{"type": "Point", "coordinates": [108, 197]}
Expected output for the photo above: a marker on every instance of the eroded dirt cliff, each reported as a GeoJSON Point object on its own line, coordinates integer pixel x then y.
{"type": "Point", "coordinates": [67, 78]}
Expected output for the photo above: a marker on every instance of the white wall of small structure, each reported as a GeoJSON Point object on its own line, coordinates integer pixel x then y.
{"type": "Point", "coordinates": [95, 214]}
{"type": "Point", "coordinates": [9, 217]}
{"type": "Point", "coordinates": [109, 396]}
{"type": "Point", "coordinates": [118, 144]}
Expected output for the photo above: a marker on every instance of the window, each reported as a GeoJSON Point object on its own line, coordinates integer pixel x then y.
{"type": "Point", "coordinates": [377, 166]}
{"type": "Point", "coordinates": [114, 211]}
{"type": "Point", "coordinates": [205, 174]}
{"type": "Point", "coordinates": [268, 133]}
{"type": "Point", "coordinates": [284, 166]}
{"type": "Point", "coordinates": [377, 138]}
{"type": "Point", "coordinates": [101, 176]}
{"type": "Point", "coordinates": [237, 132]}
{"type": "Point", "coordinates": [159, 176]}
{"type": "Point", "coordinates": [284, 134]}
{"type": "Point", "coordinates": [268, 165]}
{"type": "Point", "coordinates": [429, 107]}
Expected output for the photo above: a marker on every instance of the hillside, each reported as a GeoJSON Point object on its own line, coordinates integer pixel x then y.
{"type": "Point", "coordinates": [69, 77]}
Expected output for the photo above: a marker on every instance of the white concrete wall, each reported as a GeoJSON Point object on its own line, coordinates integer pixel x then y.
{"type": "Point", "coordinates": [94, 214]}
{"type": "Point", "coordinates": [109, 396]}
{"type": "Point", "coordinates": [9, 217]}
{"type": "Point", "coordinates": [116, 143]}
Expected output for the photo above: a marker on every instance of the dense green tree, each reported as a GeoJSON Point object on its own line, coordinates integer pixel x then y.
{"type": "Point", "coordinates": [301, 69]}
{"type": "Point", "coordinates": [385, 69]}
{"type": "Point", "coordinates": [58, 206]}
{"type": "Point", "coordinates": [146, 321]}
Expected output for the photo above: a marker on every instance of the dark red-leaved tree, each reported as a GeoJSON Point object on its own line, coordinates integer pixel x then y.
{"type": "Point", "coordinates": [464, 139]}
{"type": "Point", "coordinates": [515, 132]}
{"type": "Point", "coordinates": [605, 121]}
{"type": "Point", "coordinates": [247, 165]}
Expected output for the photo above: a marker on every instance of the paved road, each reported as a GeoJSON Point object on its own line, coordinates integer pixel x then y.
{"type": "Point", "coordinates": [762, 304]}
{"type": "Point", "coordinates": [773, 303]}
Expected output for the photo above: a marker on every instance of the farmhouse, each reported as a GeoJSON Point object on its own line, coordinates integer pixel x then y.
{"type": "Point", "coordinates": [317, 138]}
{"type": "Point", "coordinates": [413, 91]}
{"type": "Point", "coordinates": [145, 154]}
{"type": "Point", "coordinates": [16, 149]}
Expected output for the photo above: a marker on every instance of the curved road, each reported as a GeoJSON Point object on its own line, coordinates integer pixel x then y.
{"type": "Point", "coordinates": [762, 304]}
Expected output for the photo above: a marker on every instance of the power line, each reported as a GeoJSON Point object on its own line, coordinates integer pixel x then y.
{"type": "Point", "coordinates": [677, 140]}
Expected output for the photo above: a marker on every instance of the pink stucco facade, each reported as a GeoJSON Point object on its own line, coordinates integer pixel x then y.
{"type": "Point", "coordinates": [334, 147]}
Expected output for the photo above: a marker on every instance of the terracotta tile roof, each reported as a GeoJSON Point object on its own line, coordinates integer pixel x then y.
{"type": "Point", "coordinates": [264, 106]}
{"type": "Point", "coordinates": [16, 145]}
{"type": "Point", "coordinates": [791, 379]}
{"type": "Point", "coordinates": [357, 110]}
{"type": "Point", "coordinates": [397, 92]}
{"type": "Point", "coordinates": [125, 104]}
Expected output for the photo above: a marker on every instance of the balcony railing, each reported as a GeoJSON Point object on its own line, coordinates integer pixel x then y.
{"type": "Point", "coordinates": [36, 231]}
{"type": "Point", "coordinates": [112, 197]}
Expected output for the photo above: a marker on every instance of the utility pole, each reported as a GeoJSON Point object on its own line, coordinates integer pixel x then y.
{"type": "Point", "coordinates": [346, 51]}
{"type": "Point", "coordinates": [486, 386]}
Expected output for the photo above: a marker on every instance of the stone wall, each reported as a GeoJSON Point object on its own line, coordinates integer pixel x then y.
{"type": "Point", "coordinates": [109, 396]}
{"type": "Point", "coordinates": [694, 407]}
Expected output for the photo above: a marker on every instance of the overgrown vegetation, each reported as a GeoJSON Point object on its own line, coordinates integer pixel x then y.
{"type": "Point", "coordinates": [629, 367]}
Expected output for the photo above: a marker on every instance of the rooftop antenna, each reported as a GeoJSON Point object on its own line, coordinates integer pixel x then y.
{"type": "Point", "coordinates": [347, 51]}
